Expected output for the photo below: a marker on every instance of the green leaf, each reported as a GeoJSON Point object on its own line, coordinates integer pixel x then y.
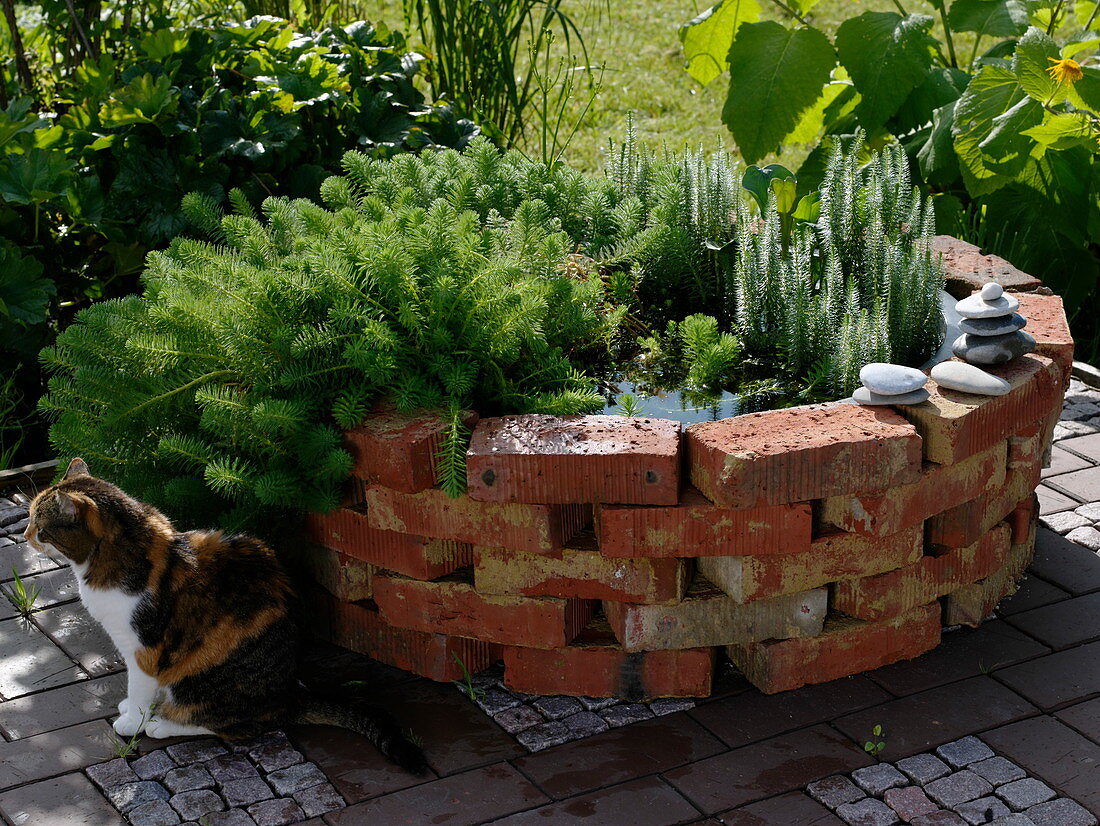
{"type": "Point", "coordinates": [24, 294]}
{"type": "Point", "coordinates": [814, 119]}
{"type": "Point", "coordinates": [759, 181]}
{"type": "Point", "coordinates": [941, 86]}
{"type": "Point", "coordinates": [707, 38]}
{"type": "Point", "coordinates": [1083, 11]}
{"type": "Point", "coordinates": [775, 75]}
{"type": "Point", "coordinates": [142, 100]}
{"type": "Point", "coordinates": [938, 162]}
{"type": "Point", "coordinates": [164, 43]}
{"type": "Point", "coordinates": [33, 177]}
{"type": "Point", "coordinates": [1030, 63]}
{"type": "Point", "coordinates": [809, 208]}
{"type": "Point", "coordinates": [1085, 93]}
{"type": "Point", "coordinates": [989, 18]}
{"type": "Point", "coordinates": [1062, 130]}
{"type": "Point", "coordinates": [887, 56]}
{"type": "Point", "coordinates": [1076, 46]}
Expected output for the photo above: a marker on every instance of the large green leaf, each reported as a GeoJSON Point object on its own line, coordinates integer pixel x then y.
{"type": "Point", "coordinates": [1030, 63]}
{"type": "Point", "coordinates": [142, 100]}
{"type": "Point", "coordinates": [775, 75]}
{"type": "Point", "coordinates": [1085, 93]}
{"type": "Point", "coordinates": [707, 38]}
{"type": "Point", "coordinates": [24, 293]}
{"type": "Point", "coordinates": [989, 18]}
{"type": "Point", "coordinates": [887, 56]}
{"type": "Point", "coordinates": [34, 176]}
{"type": "Point", "coordinates": [1062, 130]}
{"type": "Point", "coordinates": [938, 162]}
{"type": "Point", "coordinates": [941, 86]}
{"type": "Point", "coordinates": [989, 119]}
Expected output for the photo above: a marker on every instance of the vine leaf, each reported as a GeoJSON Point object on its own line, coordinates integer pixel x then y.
{"type": "Point", "coordinates": [707, 38]}
{"type": "Point", "coordinates": [989, 18]}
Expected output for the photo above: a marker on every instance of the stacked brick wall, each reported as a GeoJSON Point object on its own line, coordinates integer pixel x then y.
{"type": "Point", "coordinates": [613, 556]}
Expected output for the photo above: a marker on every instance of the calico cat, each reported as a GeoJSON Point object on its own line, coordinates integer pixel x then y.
{"type": "Point", "coordinates": [203, 620]}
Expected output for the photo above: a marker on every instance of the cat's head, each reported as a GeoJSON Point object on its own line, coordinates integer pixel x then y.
{"type": "Point", "coordinates": [70, 516]}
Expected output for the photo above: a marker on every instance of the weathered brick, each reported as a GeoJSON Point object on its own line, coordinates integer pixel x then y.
{"type": "Point", "coordinates": [360, 627]}
{"type": "Point", "coordinates": [938, 488]}
{"type": "Point", "coordinates": [338, 573]}
{"type": "Point", "coordinates": [697, 527]}
{"type": "Point", "coordinates": [969, 270]}
{"type": "Point", "coordinates": [971, 604]}
{"type": "Point", "coordinates": [887, 595]}
{"type": "Point", "coordinates": [801, 453]}
{"type": "Point", "coordinates": [708, 617]}
{"type": "Point", "coordinates": [595, 665]}
{"type": "Point", "coordinates": [398, 450]}
{"type": "Point", "coordinates": [845, 646]}
{"type": "Point", "coordinates": [832, 557]}
{"type": "Point", "coordinates": [452, 606]}
{"type": "Point", "coordinates": [580, 570]}
{"type": "Point", "coordinates": [1048, 325]}
{"type": "Point", "coordinates": [348, 530]}
{"type": "Point", "coordinates": [956, 425]}
{"type": "Point", "coordinates": [965, 524]}
{"type": "Point", "coordinates": [523, 526]}
{"type": "Point", "coordinates": [575, 459]}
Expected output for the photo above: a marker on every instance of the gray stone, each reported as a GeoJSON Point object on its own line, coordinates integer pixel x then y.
{"type": "Point", "coordinates": [669, 705]}
{"type": "Point", "coordinates": [1079, 412]}
{"type": "Point", "coordinates": [316, 800]}
{"type": "Point", "coordinates": [520, 718]}
{"type": "Point", "coordinates": [249, 743]}
{"type": "Point", "coordinates": [598, 703]}
{"type": "Point", "coordinates": [112, 773]}
{"type": "Point", "coordinates": [153, 766]}
{"type": "Point", "coordinates": [194, 751]}
{"type": "Point", "coordinates": [1065, 521]}
{"type": "Point", "coordinates": [131, 795]}
{"type": "Point", "coordinates": [1023, 794]}
{"type": "Point", "coordinates": [585, 723]}
{"type": "Point", "coordinates": [891, 379]}
{"type": "Point", "coordinates": [545, 735]}
{"type": "Point", "coordinates": [909, 802]}
{"type": "Point", "coordinates": [276, 755]}
{"type": "Point", "coordinates": [228, 767]}
{"type": "Point", "coordinates": [965, 751]}
{"type": "Point", "coordinates": [188, 779]}
{"type": "Point", "coordinates": [835, 791]}
{"type": "Point", "coordinates": [1089, 537]}
{"type": "Point", "coordinates": [196, 804]}
{"type": "Point", "coordinates": [991, 291]}
{"type": "Point", "coordinates": [1091, 511]}
{"type": "Point", "coordinates": [1060, 812]}
{"type": "Point", "coordinates": [555, 708]}
{"type": "Point", "coordinates": [289, 780]}
{"type": "Point", "coordinates": [1014, 819]}
{"type": "Point", "coordinates": [993, 349]}
{"type": "Point", "coordinates": [997, 326]}
{"type": "Point", "coordinates": [966, 378]}
{"type": "Point", "coordinates": [924, 768]}
{"type": "Point", "coordinates": [622, 715]}
{"type": "Point", "coordinates": [878, 778]}
{"type": "Point", "coordinates": [232, 817]}
{"type": "Point", "coordinates": [494, 700]}
{"type": "Point", "coordinates": [998, 770]}
{"type": "Point", "coordinates": [278, 812]}
{"type": "Point", "coordinates": [153, 813]}
{"type": "Point", "coordinates": [17, 528]}
{"type": "Point", "coordinates": [958, 788]}
{"type": "Point", "coordinates": [867, 812]}
{"type": "Point", "coordinates": [974, 306]}
{"type": "Point", "coordinates": [940, 818]}
{"type": "Point", "coordinates": [982, 810]}
{"type": "Point", "coordinates": [246, 792]}
{"type": "Point", "coordinates": [872, 399]}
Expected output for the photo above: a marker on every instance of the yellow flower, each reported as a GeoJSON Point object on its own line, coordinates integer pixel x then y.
{"type": "Point", "coordinates": [1065, 70]}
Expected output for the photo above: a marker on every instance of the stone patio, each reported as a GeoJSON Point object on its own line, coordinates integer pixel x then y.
{"type": "Point", "coordinates": [997, 725]}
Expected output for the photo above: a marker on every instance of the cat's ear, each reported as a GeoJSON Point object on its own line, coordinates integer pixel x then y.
{"type": "Point", "coordinates": [77, 467]}
{"type": "Point", "coordinates": [69, 506]}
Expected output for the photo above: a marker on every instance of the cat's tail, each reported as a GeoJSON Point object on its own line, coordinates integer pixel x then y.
{"type": "Point", "coordinates": [372, 723]}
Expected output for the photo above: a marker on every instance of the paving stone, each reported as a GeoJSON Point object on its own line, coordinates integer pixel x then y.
{"type": "Point", "coordinates": [81, 637]}
{"type": "Point", "coordinates": [268, 738]}
{"type": "Point", "coordinates": [188, 779]}
{"type": "Point", "coordinates": [1051, 501]}
{"type": "Point", "coordinates": [495, 700]}
{"type": "Point", "coordinates": [62, 707]}
{"type": "Point", "coordinates": [545, 735]}
{"type": "Point", "coordinates": [962, 753]}
{"type": "Point", "coordinates": [54, 753]}
{"type": "Point", "coordinates": [957, 788]}
{"type": "Point", "coordinates": [316, 800]}
{"type": "Point", "coordinates": [878, 778]}
{"type": "Point", "coordinates": [998, 770]}
{"type": "Point", "coordinates": [598, 703]}
{"type": "Point", "coordinates": [1089, 537]}
{"type": "Point", "coordinates": [276, 756]}
{"type": "Point", "coordinates": [645, 802]}
{"type": "Point", "coordinates": [295, 778]}
{"type": "Point", "coordinates": [131, 795]}
{"type": "Point", "coordinates": [1062, 562]}
{"type": "Point", "coordinates": [195, 751]}
{"type": "Point", "coordinates": [555, 708]}
{"type": "Point", "coordinates": [1065, 521]}
{"type": "Point", "coordinates": [154, 813]}
{"type": "Point", "coordinates": [1023, 794]}
{"type": "Point", "coordinates": [1069, 622]}
{"type": "Point", "coordinates": [69, 800]}
{"type": "Point", "coordinates": [835, 791]}
{"type": "Point", "coordinates": [112, 773]}
{"type": "Point", "coordinates": [923, 768]}
{"type": "Point", "coordinates": [670, 705]}
{"type": "Point", "coordinates": [940, 818]}
{"type": "Point", "coordinates": [1060, 812]}
{"type": "Point", "coordinates": [230, 817]}
{"type": "Point", "coordinates": [585, 723]}
{"type": "Point", "coordinates": [153, 766]}
{"type": "Point", "coordinates": [229, 767]}
{"type": "Point", "coordinates": [1032, 593]}
{"type": "Point", "coordinates": [245, 792]}
{"type": "Point", "coordinates": [791, 809]}
{"type": "Point", "coordinates": [278, 812]}
{"type": "Point", "coordinates": [1057, 679]}
{"type": "Point", "coordinates": [29, 661]}
{"type": "Point", "coordinates": [1090, 511]}
{"type": "Point", "coordinates": [1062, 461]}
{"type": "Point", "coordinates": [518, 718]}
{"type": "Point", "coordinates": [196, 804]}
{"type": "Point", "coordinates": [867, 812]}
{"type": "Point", "coordinates": [1013, 819]}
{"type": "Point", "coordinates": [1087, 446]}
{"type": "Point", "coordinates": [909, 802]}
{"type": "Point", "coordinates": [625, 714]}
{"type": "Point", "coordinates": [1082, 485]}
{"type": "Point", "coordinates": [982, 810]}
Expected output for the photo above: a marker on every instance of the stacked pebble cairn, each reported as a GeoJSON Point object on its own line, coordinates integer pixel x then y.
{"type": "Point", "coordinates": [992, 333]}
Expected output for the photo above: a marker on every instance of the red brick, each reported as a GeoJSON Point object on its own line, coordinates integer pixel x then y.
{"type": "Point", "coordinates": [968, 270]}
{"type": "Point", "coordinates": [697, 527]}
{"type": "Point", "coordinates": [348, 530]}
{"type": "Point", "coordinates": [452, 606]}
{"type": "Point", "coordinates": [575, 459]}
{"type": "Point", "coordinates": [707, 617]}
{"type": "Point", "coordinates": [939, 488]}
{"type": "Point", "coordinates": [580, 570]}
{"type": "Point", "coordinates": [525, 527]}
{"type": "Point", "coordinates": [971, 604]}
{"type": "Point", "coordinates": [343, 576]}
{"type": "Point", "coordinates": [845, 646]}
{"type": "Point", "coordinates": [1047, 323]}
{"type": "Point", "coordinates": [967, 523]}
{"type": "Point", "coordinates": [398, 450]}
{"type": "Point", "coordinates": [957, 425]}
{"type": "Point", "coordinates": [801, 453]}
{"type": "Point", "coordinates": [595, 665]}
{"type": "Point", "coordinates": [832, 557]}
{"type": "Point", "coordinates": [359, 627]}
{"type": "Point", "coordinates": [887, 595]}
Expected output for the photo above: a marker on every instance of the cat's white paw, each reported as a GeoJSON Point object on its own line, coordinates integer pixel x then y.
{"type": "Point", "coordinates": [159, 728]}
{"type": "Point", "coordinates": [124, 706]}
{"type": "Point", "coordinates": [129, 724]}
